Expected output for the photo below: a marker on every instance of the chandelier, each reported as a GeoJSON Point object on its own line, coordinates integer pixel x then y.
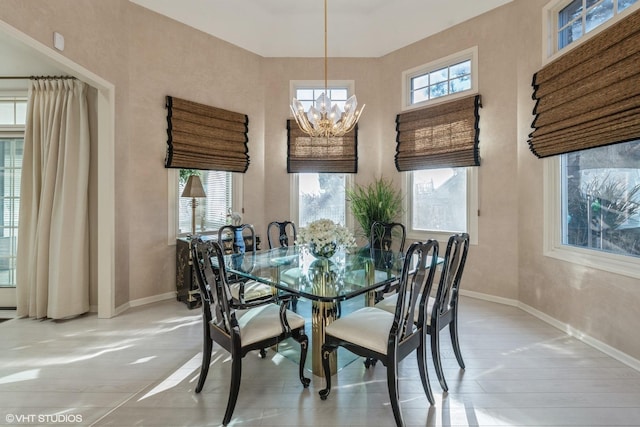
{"type": "Point", "coordinates": [324, 118]}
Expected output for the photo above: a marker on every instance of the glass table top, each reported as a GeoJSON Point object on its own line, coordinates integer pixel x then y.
{"type": "Point", "coordinates": [347, 274]}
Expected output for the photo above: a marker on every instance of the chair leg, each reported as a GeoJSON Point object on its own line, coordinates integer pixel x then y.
{"type": "Point", "coordinates": [424, 374]}
{"type": "Point", "coordinates": [379, 296]}
{"type": "Point", "coordinates": [453, 330]}
{"type": "Point", "coordinates": [236, 374]}
{"type": "Point", "coordinates": [207, 347]}
{"type": "Point", "coordinates": [370, 361]}
{"type": "Point", "coordinates": [435, 353]}
{"type": "Point", "coordinates": [392, 385]}
{"type": "Point", "coordinates": [326, 352]}
{"type": "Point", "coordinates": [304, 346]}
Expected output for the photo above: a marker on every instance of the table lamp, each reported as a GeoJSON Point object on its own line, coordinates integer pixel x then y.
{"type": "Point", "coordinates": [193, 189]}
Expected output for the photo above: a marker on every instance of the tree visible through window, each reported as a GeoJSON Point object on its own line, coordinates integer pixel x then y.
{"type": "Point", "coordinates": [321, 195]}
{"type": "Point", "coordinates": [438, 200]}
{"type": "Point", "coordinates": [601, 198]}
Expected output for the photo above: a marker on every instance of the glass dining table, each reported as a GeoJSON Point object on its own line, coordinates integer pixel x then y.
{"type": "Point", "coordinates": [331, 285]}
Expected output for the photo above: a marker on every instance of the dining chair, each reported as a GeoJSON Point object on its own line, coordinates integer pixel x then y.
{"type": "Point", "coordinates": [442, 310]}
{"type": "Point", "coordinates": [387, 239]}
{"type": "Point", "coordinates": [234, 240]}
{"type": "Point", "coordinates": [283, 232]}
{"type": "Point", "coordinates": [389, 337]}
{"type": "Point", "coordinates": [239, 327]}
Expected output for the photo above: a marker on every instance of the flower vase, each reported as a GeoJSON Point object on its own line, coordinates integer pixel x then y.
{"type": "Point", "coordinates": [325, 251]}
{"type": "Point", "coordinates": [239, 241]}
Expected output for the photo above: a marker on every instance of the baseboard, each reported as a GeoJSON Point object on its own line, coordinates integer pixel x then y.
{"type": "Point", "coordinates": [121, 309]}
{"type": "Point", "coordinates": [8, 313]}
{"type": "Point", "coordinates": [568, 329]}
{"type": "Point", "coordinates": [144, 301]}
{"type": "Point", "coordinates": [11, 313]}
{"type": "Point", "coordinates": [573, 332]}
{"type": "Point", "coordinates": [150, 300]}
{"type": "Point", "coordinates": [490, 298]}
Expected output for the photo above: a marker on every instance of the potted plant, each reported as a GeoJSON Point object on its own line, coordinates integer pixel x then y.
{"type": "Point", "coordinates": [378, 201]}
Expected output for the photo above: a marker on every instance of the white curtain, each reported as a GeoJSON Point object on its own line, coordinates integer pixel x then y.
{"type": "Point", "coordinates": [53, 230]}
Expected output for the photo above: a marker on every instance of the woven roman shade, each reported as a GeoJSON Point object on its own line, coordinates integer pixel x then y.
{"type": "Point", "coordinates": [444, 135]}
{"type": "Point", "coordinates": [204, 137]}
{"type": "Point", "coordinates": [321, 155]}
{"type": "Point", "coordinates": [590, 96]}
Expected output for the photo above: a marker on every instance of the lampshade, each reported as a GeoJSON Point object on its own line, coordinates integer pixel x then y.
{"type": "Point", "coordinates": [193, 187]}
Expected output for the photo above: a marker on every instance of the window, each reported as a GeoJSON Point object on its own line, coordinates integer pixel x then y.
{"type": "Point", "coordinates": [320, 195]}
{"type": "Point", "coordinates": [441, 80]}
{"type": "Point", "coordinates": [574, 19]}
{"type": "Point", "coordinates": [592, 196]}
{"type": "Point", "coordinates": [224, 193]}
{"type": "Point", "coordinates": [441, 201]}
{"type": "Point", "coordinates": [211, 212]}
{"type": "Point", "coordinates": [13, 111]}
{"type": "Point", "coordinates": [308, 96]}
{"type": "Point", "coordinates": [444, 81]}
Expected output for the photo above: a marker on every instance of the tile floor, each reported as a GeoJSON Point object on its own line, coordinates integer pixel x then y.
{"type": "Point", "coordinates": [140, 369]}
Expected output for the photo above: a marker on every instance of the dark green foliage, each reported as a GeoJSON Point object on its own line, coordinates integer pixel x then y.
{"type": "Point", "coordinates": [378, 201]}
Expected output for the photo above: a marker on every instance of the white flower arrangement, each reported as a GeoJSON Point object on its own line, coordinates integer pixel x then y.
{"type": "Point", "coordinates": [324, 237]}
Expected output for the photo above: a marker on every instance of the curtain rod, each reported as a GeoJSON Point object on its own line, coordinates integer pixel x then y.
{"type": "Point", "coordinates": [35, 77]}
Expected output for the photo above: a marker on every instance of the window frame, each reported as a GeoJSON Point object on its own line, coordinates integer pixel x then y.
{"type": "Point", "coordinates": [550, 12]}
{"type": "Point", "coordinates": [173, 177]}
{"type": "Point", "coordinates": [453, 59]}
{"type": "Point", "coordinates": [552, 231]}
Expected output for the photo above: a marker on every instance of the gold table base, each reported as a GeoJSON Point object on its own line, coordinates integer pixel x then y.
{"type": "Point", "coordinates": [322, 313]}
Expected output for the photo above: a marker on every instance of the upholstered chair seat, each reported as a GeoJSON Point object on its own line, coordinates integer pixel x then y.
{"type": "Point", "coordinates": [260, 323]}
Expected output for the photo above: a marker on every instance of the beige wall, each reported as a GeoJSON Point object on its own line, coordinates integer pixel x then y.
{"type": "Point", "coordinates": [148, 56]}
{"type": "Point", "coordinates": [167, 58]}
{"type": "Point", "coordinates": [493, 264]}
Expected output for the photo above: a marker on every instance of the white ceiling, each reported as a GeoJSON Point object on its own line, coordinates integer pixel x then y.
{"type": "Point", "coordinates": [295, 28]}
